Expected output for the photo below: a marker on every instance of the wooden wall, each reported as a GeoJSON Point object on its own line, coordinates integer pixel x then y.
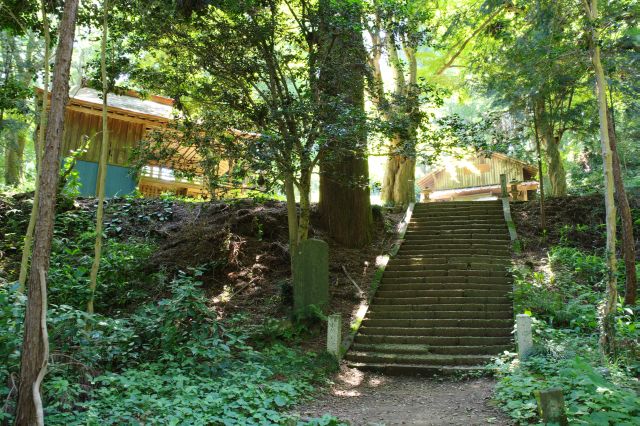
{"type": "Point", "coordinates": [487, 172]}
{"type": "Point", "coordinates": [123, 136]}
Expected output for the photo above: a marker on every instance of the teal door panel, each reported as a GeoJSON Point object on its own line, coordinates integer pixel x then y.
{"type": "Point", "coordinates": [119, 179]}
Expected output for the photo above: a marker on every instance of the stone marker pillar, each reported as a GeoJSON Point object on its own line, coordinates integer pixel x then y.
{"type": "Point", "coordinates": [334, 334]}
{"type": "Point", "coordinates": [524, 336]}
{"type": "Point", "coordinates": [311, 274]}
{"type": "Point", "coordinates": [551, 406]}
{"type": "Point", "coordinates": [503, 185]}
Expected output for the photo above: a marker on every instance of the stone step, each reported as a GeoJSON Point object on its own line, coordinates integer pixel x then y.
{"type": "Point", "coordinates": [431, 349]}
{"type": "Point", "coordinates": [436, 331]}
{"type": "Point", "coordinates": [450, 322]}
{"type": "Point", "coordinates": [475, 315]}
{"type": "Point", "coordinates": [462, 224]}
{"type": "Point", "coordinates": [423, 370]}
{"type": "Point", "coordinates": [458, 235]}
{"type": "Point", "coordinates": [498, 260]}
{"type": "Point", "coordinates": [449, 288]}
{"type": "Point", "coordinates": [376, 307]}
{"type": "Point", "coordinates": [497, 272]}
{"type": "Point", "coordinates": [448, 300]}
{"type": "Point", "coordinates": [430, 359]}
{"type": "Point", "coordinates": [414, 252]}
{"type": "Point", "coordinates": [435, 340]}
{"type": "Point", "coordinates": [455, 220]}
{"type": "Point", "coordinates": [385, 293]}
{"type": "Point", "coordinates": [441, 242]}
{"type": "Point", "coordinates": [448, 279]}
{"type": "Point", "coordinates": [447, 266]}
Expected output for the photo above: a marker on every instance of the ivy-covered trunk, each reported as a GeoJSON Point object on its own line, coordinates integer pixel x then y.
{"type": "Point", "coordinates": [398, 185]}
{"type": "Point", "coordinates": [557, 173]}
{"type": "Point", "coordinates": [14, 160]}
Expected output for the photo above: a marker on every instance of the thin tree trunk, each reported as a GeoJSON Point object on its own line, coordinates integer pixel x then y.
{"type": "Point", "coordinates": [628, 240]}
{"type": "Point", "coordinates": [102, 165]}
{"type": "Point", "coordinates": [345, 207]}
{"type": "Point", "coordinates": [305, 205]}
{"type": "Point", "coordinates": [607, 337]}
{"type": "Point", "coordinates": [543, 224]}
{"type": "Point", "coordinates": [33, 350]}
{"type": "Point", "coordinates": [14, 159]}
{"type": "Point", "coordinates": [39, 144]}
{"type": "Point", "coordinates": [292, 216]}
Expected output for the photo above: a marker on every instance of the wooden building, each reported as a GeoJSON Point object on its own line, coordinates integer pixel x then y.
{"type": "Point", "coordinates": [477, 178]}
{"type": "Point", "coordinates": [130, 118]}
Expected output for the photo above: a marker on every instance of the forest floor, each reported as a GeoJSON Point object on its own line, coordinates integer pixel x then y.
{"type": "Point", "coordinates": [363, 398]}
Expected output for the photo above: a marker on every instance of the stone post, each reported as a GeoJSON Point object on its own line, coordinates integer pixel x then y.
{"type": "Point", "coordinates": [551, 406]}
{"type": "Point", "coordinates": [334, 334]}
{"type": "Point", "coordinates": [311, 275]}
{"type": "Point", "coordinates": [524, 336]}
{"type": "Point", "coordinates": [503, 185]}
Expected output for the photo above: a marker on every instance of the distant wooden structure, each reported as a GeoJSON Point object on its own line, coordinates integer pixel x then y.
{"type": "Point", "coordinates": [478, 178]}
{"type": "Point", "coordinates": [130, 119]}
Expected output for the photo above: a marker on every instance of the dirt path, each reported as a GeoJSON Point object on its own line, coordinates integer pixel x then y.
{"type": "Point", "coordinates": [373, 399]}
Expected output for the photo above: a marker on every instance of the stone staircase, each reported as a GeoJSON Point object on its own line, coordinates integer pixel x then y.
{"type": "Point", "coordinates": [444, 302]}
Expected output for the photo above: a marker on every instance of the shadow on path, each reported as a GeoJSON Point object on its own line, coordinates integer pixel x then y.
{"type": "Point", "coordinates": [363, 398]}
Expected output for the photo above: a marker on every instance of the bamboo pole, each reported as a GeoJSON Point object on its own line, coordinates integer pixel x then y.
{"type": "Point", "coordinates": [102, 165]}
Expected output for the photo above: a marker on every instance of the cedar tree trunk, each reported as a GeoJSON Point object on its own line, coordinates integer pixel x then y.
{"type": "Point", "coordinates": [33, 350]}
{"type": "Point", "coordinates": [344, 207]}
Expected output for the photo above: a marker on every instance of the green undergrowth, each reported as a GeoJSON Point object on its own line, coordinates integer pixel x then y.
{"type": "Point", "coordinates": [156, 351]}
{"type": "Point", "coordinates": [563, 297]}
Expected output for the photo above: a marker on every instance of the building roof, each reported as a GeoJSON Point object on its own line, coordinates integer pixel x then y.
{"type": "Point", "coordinates": [428, 179]}
{"type": "Point", "coordinates": [155, 105]}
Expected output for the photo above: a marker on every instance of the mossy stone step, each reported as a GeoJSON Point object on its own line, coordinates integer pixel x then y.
{"type": "Point", "coordinates": [412, 251]}
{"type": "Point", "coordinates": [447, 273]}
{"type": "Point", "coordinates": [448, 279]}
{"type": "Point", "coordinates": [436, 331]}
{"type": "Point", "coordinates": [431, 359]}
{"type": "Point", "coordinates": [498, 260]}
{"type": "Point", "coordinates": [440, 315]}
{"type": "Point", "coordinates": [451, 322]}
{"type": "Point", "coordinates": [385, 293]}
{"type": "Point", "coordinates": [377, 307]}
{"type": "Point", "coordinates": [431, 349]}
{"type": "Point", "coordinates": [457, 233]}
{"type": "Point", "coordinates": [446, 266]}
{"type": "Point", "coordinates": [435, 340]}
{"type": "Point", "coordinates": [441, 300]}
{"type": "Point", "coordinates": [444, 287]}
{"type": "Point", "coordinates": [417, 369]}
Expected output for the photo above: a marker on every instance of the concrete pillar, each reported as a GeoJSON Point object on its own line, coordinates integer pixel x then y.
{"type": "Point", "coordinates": [334, 334]}
{"type": "Point", "coordinates": [524, 336]}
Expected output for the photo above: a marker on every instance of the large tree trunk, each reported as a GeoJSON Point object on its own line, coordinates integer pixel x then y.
{"type": "Point", "coordinates": [344, 207]}
{"type": "Point", "coordinates": [398, 184]}
{"type": "Point", "coordinates": [14, 160]}
{"type": "Point", "coordinates": [607, 336]}
{"type": "Point", "coordinates": [557, 173]}
{"type": "Point", "coordinates": [33, 359]}
{"type": "Point", "coordinates": [628, 240]}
